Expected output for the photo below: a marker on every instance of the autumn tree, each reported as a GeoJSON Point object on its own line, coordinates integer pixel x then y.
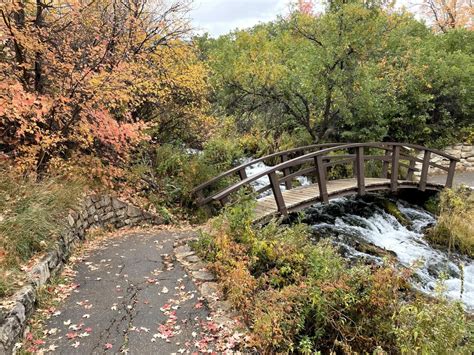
{"type": "Point", "coordinates": [306, 6]}
{"type": "Point", "coordinates": [449, 14]}
{"type": "Point", "coordinates": [83, 78]}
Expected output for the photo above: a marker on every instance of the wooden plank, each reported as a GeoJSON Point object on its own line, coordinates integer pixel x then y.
{"type": "Point", "coordinates": [286, 172]}
{"type": "Point", "coordinates": [301, 196]}
{"type": "Point", "coordinates": [242, 174]}
{"type": "Point", "coordinates": [411, 169]}
{"type": "Point", "coordinates": [395, 166]}
{"type": "Point", "coordinates": [386, 164]}
{"type": "Point", "coordinates": [321, 174]}
{"type": "Point", "coordinates": [424, 170]}
{"type": "Point", "coordinates": [360, 171]}
{"type": "Point", "coordinates": [450, 177]}
{"type": "Point", "coordinates": [277, 193]}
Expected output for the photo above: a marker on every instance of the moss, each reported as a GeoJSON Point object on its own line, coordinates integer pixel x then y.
{"type": "Point", "coordinates": [432, 204]}
{"type": "Point", "coordinates": [391, 208]}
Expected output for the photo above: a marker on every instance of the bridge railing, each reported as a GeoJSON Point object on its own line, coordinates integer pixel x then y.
{"type": "Point", "coordinates": [240, 171]}
{"type": "Point", "coordinates": [396, 158]}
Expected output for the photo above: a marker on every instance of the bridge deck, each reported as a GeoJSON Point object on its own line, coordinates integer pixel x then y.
{"type": "Point", "coordinates": [301, 197]}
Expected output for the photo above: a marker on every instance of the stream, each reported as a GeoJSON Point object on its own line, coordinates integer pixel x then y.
{"type": "Point", "coordinates": [352, 222]}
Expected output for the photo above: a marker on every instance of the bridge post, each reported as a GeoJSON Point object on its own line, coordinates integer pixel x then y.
{"type": "Point", "coordinates": [286, 172]}
{"type": "Point", "coordinates": [321, 175]}
{"type": "Point", "coordinates": [450, 177]}
{"type": "Point", "coordinates": [395, 167]}
{"type": "Point", "coordinates": [360, 171]}
{"type": "Point", "coordinates": [424, 170]}
{"type": "Point", "coordinates": [386, 164]}
{"type": "Point", "coordinates": [242, 174]}
{"type": "Point", "coordinates": [411, 169]}
{"type": "Point", "coordinates": [280, 202]}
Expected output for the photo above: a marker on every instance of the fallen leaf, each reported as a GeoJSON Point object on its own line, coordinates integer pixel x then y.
{"type": "Point", "coordinates": [71, 335]}
{"type": "Point", "coordinates": [76, 344]}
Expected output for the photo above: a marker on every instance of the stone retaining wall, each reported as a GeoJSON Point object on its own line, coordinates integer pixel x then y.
{"type": "Point", "coordinates": [464, 152]}
{"type": "Point", "coordinates": [95, 211]}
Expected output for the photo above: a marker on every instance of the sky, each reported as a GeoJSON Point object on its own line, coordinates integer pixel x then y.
{"type": "Point", "coordinates": [218, 17]}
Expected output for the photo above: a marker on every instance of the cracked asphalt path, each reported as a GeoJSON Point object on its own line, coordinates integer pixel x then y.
{"type": "Point", "coordinates": [133, 297]}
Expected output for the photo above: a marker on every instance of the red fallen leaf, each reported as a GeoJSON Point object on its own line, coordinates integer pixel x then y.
{"type": "Point", "coordinates": [198, 305]}
{"type": "Point", "coordinates": [88, 330]}
{"type": "Point", "coordinates": [29, 336]}
{"type": "Point", "coordinates": [39, 342]}
{"type": "Point", "coordinates": [166, 307]}
{"type": "Point", "coordinates": [71, 335]}
{"type": "Point", "coordinates": [108, 346]}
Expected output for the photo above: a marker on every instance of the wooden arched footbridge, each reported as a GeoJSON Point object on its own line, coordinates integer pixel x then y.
{"type": "Point", "coordinates": [366, 167]}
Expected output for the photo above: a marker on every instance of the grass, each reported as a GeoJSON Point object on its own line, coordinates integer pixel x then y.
{"type": "Point", "coordinates": [455, 227]}
{"type": "Point", "coordinates": [31, 218]}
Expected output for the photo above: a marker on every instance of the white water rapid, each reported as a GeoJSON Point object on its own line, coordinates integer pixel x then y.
{"type": "Point", "coordinates": [264, 181]}
{"type": "Point", "coordinates": [351, 220]}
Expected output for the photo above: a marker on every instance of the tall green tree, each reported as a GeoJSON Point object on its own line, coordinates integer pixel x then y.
{"type": "Point", "coordinates": [359, 71]}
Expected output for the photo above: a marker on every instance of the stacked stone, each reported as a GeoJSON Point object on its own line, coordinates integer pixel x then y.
{"type": "Point", "coordinates": [96, 211]}
{"type": "Point", "coordinates": [108, 211]}
{"type": "Point", "coordinates": [464, 152]}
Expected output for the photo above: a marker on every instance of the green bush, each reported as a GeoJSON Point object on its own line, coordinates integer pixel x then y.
{"type": "Point", "coordinates": [297, 296]}
{"type": "Point", "coordinates": [172, 172]}
{"type": "Point", "coordinates": [433, 328]}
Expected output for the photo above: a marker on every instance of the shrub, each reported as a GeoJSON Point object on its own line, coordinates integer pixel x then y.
{"type": "Point", "coordinates": [433, 328]}
{"type": "Point", "coordinates": [297, 296]}
{"type": "Point", "coordinates": [455, 227]}
{"type": "Point", "coordinates": [171, 171]}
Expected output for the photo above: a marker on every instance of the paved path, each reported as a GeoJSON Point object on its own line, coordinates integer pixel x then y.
{"type": "Point", "coordinates": [466, 178]}
{"type": "Point", "coordinates": [133, 297]}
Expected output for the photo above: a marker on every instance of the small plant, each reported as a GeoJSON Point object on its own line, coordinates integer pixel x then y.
{"type": "Point", "coordinates": [455, 227]}
{"type": "Point", "coordinates": [433, 328]}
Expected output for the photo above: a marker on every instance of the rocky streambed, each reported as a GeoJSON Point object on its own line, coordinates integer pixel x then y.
{"type": "Point", "coordinates": [374, 227]}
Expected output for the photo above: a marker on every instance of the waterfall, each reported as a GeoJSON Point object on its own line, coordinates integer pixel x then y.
{"type": "Point", "coordinates": [351, 221]}
{"type": "Point", "coordinates": [264, 181]}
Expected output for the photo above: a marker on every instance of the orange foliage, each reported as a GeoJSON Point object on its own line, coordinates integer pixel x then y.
{"type": "Point", "coordinates": [450, 14]}
{"type": "Point", "coordinates": [306, 7]}
{"type": "Point", "coordinates": [80, 77]}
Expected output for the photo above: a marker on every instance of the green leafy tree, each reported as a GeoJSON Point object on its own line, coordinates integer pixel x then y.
{"type": "Point", "coordinates": [358, 72]}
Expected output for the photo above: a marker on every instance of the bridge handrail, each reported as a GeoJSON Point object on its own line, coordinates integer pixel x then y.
{"type": "Point", "coordinates": [384, 145]}
{"type": "Point", "coordinates": [258, 160]}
